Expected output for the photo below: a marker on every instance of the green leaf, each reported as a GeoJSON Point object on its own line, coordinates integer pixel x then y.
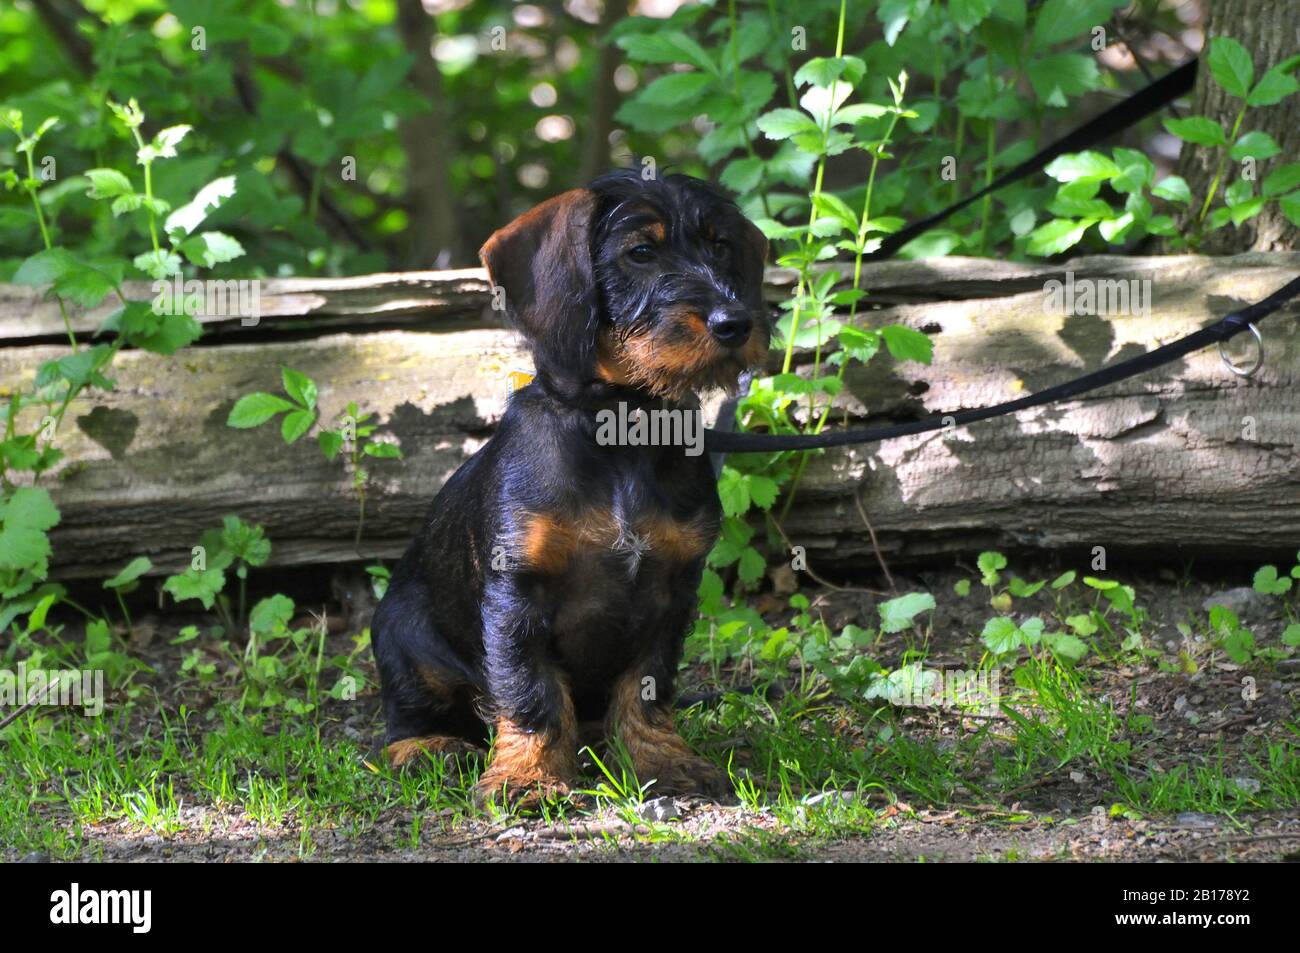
{"type": "Point", "coordinates": [1238, 192]}
{"type": "Point", "coordinates": [751, 566]}
{"type": "Point", "coordinates": [1066, 646]}
{"type": "Point", "coordinates": [164, 144]}
{"type": "Point", "coordinates": [1290, 206]}
{"type": "Point", "coordinates": [762, 490]}
{"type": "Point", "coordinates": [27, 514]}
{"type": "Point", "coordinates": [1173, 188]}
{"type": "Point", "coordinates": [825, 71]}
{"type": "Point", "coordinates": [1247, 209]}
{"type": "Point", "coordinates": [1059, 76]}
{"type": "Point", "coordinates": [192, 584]}
{"type": "Point", "coordinates": [1273, 87]}
{"type": "Point", "coordinates": [108, 183]}
{"type": "Point", "coordinates": [1291, 635]}
{"type": "Point", "coordinates": [209, 198]}
{"type": "Point", "coordinates": [859, 344]}
{"type": "Point", "coordinates": [968, 14]}
{"type": "Point", "coordinates": [1001, 635]}
{"type": "Point", "coordinates": [253, 410]}
{"type": "Point", "coordinates": [45, 267]}
{"type": "Point", "coordinates": [784, 123]}
{"type": "Point", "coordinates": [1064, 579]}
{"type": "Point", "coordinates": [733, 490]}
{"type": "Point", "coordinates": [248, 542]}
{"type": "Point", "coordinates": [1059, 20]}
{"type": "Point", "coordinates": [1023, 590]}
{"type": "Point", "coordinates": [897, 614]}
{"type": "Point", "coordinates": [210, 248]}
{"type": "Point", "coordinates": [989, 564]}
{"type": "Point", "coordinates": [1281, 180]}
{"type": "Point", "coordinates": [1197, 130]}
{"type": "Point", "coordinates": [671, 46]}
{"type": "Point", "coordinates": [382, 451]}
{"type": "Point", "coordinates": [676, 89]}
{"type": "Point", "coordinates": [905, 344]}
{"type": "Point", "coordinates": [1082, 165]}
{"type": "Point", "coordinates": [300, 387]}
{"type": "Point", "coordinates": [271, 615]}
{"type": "Point", "coordinates": [296, 423]}
{"type": "Point", "coordinates": [742, 175]}
{"type": "Point", "coordinates": [331, 442]}
{"type": "Point", "coordinates": [132, 571]}
{"type": "Point", "coordinates": [1255, 145]}
{"type": "Point", "coordinates": [1230, 66]}
{"type": "Point", "coordinates": [1056, 236]}
{"type": "Point", "coordinates": [158, 264]}
{"type": "Point", "coordinates": [1268, 582]}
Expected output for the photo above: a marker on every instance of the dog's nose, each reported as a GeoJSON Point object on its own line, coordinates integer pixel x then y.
{"type": "Point", "coordinates": [730, 328]}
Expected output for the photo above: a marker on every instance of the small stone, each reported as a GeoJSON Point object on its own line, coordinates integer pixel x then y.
{"type": "Point", "coordinates": [1078, 777]}
{"type": "Point", "coordinates": [511, 833]}
{"type": "Point", "coordinates": [659, 809]}
{"type": "Point", "coordinates": [1247, 785]}
{"type": "Point", "coordinates": [1243, 600]}
{"type": "Point", "coordinates": [830, 798]}
{"type": "Point", "coordinates": [35, 857]}
{"type": "Point", "coordinates": [1195, 819]}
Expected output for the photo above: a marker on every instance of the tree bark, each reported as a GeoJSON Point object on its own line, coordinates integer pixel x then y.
{"type": "Point", "coordinates": [434, 239]}
{"type": "Point", "coordinates": [1270, 31]}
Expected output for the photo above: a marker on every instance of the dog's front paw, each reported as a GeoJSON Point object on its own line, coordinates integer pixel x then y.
{"type": "Point", "coordinates": [500, 788]}
{"type": "Point", "coordinates": [413, 751]}
{"type": "Point", "coordinates": [686, 775]}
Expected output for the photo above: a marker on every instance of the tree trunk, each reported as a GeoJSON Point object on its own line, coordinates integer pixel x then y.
{"type": "Point", "coordinates": [434, 240]}
{"type": "Point", "coordinates": [1270, 31]}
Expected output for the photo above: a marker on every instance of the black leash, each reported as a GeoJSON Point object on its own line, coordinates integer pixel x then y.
{"type": "Point", "coordinates": [1141, 104]}
{"type": "Point", "coordinates": [1233, 324]}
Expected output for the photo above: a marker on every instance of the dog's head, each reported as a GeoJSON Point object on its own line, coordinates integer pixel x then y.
{"type": "Point", "coordinates": [654, 284]}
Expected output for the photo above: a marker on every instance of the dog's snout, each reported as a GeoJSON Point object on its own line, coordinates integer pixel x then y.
{"type": "Point", "coordinates": [730, 327]}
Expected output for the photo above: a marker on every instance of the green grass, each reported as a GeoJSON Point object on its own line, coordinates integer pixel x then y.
{"type": "Point", "coordinates": [145, 766]}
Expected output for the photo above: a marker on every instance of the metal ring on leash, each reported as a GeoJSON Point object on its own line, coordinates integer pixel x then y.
{"type": "Point", "coordinates": [1250, 369]}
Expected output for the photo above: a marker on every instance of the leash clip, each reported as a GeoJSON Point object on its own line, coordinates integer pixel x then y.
{"type": "Point", "coordinates": [1250, 369]}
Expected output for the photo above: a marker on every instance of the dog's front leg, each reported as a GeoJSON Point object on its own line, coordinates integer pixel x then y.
{"type": "Point", "coordinates": [535, 755]}
{"type": "Point", "coordinates": [641, 705]}
{"type": "Point", "coordinates": [644, 724]}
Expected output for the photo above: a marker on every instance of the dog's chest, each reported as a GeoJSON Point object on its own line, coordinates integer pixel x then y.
{"type": "Point", "coordinates": [610, 575]}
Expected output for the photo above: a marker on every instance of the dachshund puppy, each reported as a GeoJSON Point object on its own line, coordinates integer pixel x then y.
{"type": "Point", "coordinates": [554, 579]}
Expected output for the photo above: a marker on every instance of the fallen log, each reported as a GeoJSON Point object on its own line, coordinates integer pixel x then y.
{"type": "Point", "coordinates": [1188, 457]}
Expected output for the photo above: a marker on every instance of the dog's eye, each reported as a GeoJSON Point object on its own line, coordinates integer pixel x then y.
{"type": "Point", "coordinates": [720, 247]}
{"type": "Point", "coordinates": [641, 254]}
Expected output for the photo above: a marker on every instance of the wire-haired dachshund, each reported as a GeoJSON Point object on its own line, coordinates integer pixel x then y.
{"type": "Point", "coordinates": [555, 576]}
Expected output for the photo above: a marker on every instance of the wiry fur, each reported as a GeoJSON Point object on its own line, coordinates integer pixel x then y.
{"type": "Point", "coordinates": [554, 578]}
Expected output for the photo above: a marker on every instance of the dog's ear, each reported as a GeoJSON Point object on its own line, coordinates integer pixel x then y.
{"type": "Point", "coordinates": [754, 257]}
{"type": "Point", "coordinates": [542, 263]}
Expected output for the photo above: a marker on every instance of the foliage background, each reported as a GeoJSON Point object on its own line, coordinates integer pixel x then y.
{"type": "Point", "coordinates": [460, 119]}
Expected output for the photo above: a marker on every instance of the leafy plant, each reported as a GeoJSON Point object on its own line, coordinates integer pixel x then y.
{"type": "Point", "coordinates": [234, 543]}
{"type": "Point", "coordinates": [87, 281]}
{"type": "Point", "coordinates": [351, 436]}
{"type": "Point", "coordinates": [1079, 204]}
